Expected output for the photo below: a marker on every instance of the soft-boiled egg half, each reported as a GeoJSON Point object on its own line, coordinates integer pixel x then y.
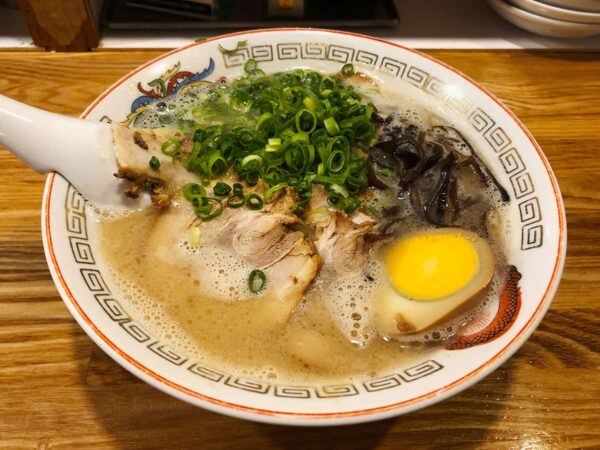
{"type": "Point", "coordinates": [432, 275]}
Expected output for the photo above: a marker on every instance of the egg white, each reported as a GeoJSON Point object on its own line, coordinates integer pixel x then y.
{"type": "Point", "coordinates": [397, 315]}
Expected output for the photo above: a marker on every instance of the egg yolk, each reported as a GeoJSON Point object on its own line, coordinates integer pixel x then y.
{"type": "Point", "coordinates": [431, 267]}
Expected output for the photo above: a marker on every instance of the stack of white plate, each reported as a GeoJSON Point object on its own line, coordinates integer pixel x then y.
{"type": "Point", "coordinates": [555, 18]}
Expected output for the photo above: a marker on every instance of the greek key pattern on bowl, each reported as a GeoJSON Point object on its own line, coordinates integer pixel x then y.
{"type": "Point", "coordinates": [76, 224]}
{"type": "Point", "coordinates": [523, 189]}
{"type": "Point", "coordinates": [406, 376]}
{"type": "Point", "coordinates": [521, 184]}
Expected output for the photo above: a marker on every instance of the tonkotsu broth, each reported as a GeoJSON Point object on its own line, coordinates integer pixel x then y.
{"type": "Point", "coordinates": [223, 325]}
{"type": "Point", "coordinates": [230, 335]}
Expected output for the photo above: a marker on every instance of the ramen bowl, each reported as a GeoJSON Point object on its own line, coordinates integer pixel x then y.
{"type": "Point", "coordinates": [535, 244]}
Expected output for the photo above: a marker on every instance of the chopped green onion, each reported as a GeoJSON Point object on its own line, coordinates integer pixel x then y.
{"type": "Point", "coordinates": [238, 45]}
{"type": "Point", "coordinates": [338, 190]}
{"type": "Point", "coordinates": [215, 165]}
{"type": "Point", "coordinates": [257, 281]}
{"type": "Point", "coordinates": [252, 162]}
{"type": "Point", "coordinates": [252, 178]}
{"type": "Point", "coordinates": [236, 201]}
{"type": "Point", "coordinates": [336, 161]}
{"type": "Point", "coordinates": [327, 83]}
{"type": "Point", "coordinates": [264, 117]}
{"type": "Point", "coordinates": [363, 129]}
{"type": "Point", "coordinates": [387, 172]}
{"type": "Point", "coordinates": [338, 143]}
{"type": "Point", "coordinates": [320, 169]}
{"type": "Point", "coordinates": [331, 126]}
{"type": "Point", "coordinates": [300, 137]}
{"type": "Point", "coordinates": [289, 129]}
{"type": "Point", "coordinates": [353, 204]}
{"type": "Point", "coordinates": [238, 188]}
{"type": "Point", "coordinates": [221, 189]}
{"type": "Point", "coordinates": [154, 163]}
{"type": "Point", "coordinates": [208, 208]}
{"type": "Point", "coordinates": [246, 137]}
{"type": "Point", "coordinates": [194, 240]}
{"type": "Point", "coordinates": [297, 157]}
{"type": "Point", "coordinates": [347, 70]}
{"type": "Point", "coordinates": [346, 204]}
{"type": "Point", "coordinates": [193, 189]}
{"type": "Point", "coordinates": [199, 135]}
{"type": "Point", "coordinates": [254, 202]}
{"type": "Point", "coordinates": [268, 127]}
{"type": "Point", "coordinates": [269, 193]}
{"type": "Point", "coordinates": [171, 148]}
{"type": "Point", "coordinates": [346, 123]}
{"type": "Point", "coordinates": [250, 66]}
{"type": "Point", "coordinates": [334, 199]}
{"type": "Point", "coordinates": [310, 104]}
{"type": "Point", "coordinates": [306, 121]}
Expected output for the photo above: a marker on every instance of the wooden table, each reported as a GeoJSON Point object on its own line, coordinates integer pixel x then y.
{"type": "Point", "coordinates": [59, 389]}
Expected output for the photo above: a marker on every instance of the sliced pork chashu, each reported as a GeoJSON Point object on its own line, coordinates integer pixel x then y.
{"type": "Point", "coordinates": [261, 238]}
{"type": "Point", "coordinates": [134, 147]}
{"type": "Point", "coordinates": [339, 236]}
{"type": "Point", "coordinates": [264, 237]}
{"type": "Point", "coordinates": [289, 278]}
{"type": "Point", "coordinates": [265, 240]}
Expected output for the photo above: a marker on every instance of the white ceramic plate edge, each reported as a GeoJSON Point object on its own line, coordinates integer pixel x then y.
{"type": "Point", "coordinates": [543, 25]}
{"type": "Point", "coordinates": [575, 5]}
{"type": "Point", "coordinates": [554, 12]}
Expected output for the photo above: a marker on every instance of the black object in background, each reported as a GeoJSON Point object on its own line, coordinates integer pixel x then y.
{"type": "Point", "coordinates": [253, 14]}
{"type": "Point", "coordinates": [188, 8]}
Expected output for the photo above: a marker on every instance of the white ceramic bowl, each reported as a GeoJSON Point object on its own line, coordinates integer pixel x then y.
{"type": "Point", "coordinates": [576, 5]}
{"type": "Point", "coordinates": [554, 12]}
{"type": "Point", "coordinates": [536, 244]}
{"type": "Point", "coordinates": [543, 25]}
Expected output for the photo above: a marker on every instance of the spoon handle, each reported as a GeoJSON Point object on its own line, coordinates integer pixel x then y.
{"type": "Point", "coordinates": [45, 141]}
{"type": "Point", "coordinates": [80, 150]}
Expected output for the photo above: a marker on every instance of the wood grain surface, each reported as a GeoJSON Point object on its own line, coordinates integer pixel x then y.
{"type": "Point", "coordinates": [59, 390]}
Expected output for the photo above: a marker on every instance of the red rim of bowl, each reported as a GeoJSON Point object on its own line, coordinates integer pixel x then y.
{"type": "Point", "coordinates": [284, 417]}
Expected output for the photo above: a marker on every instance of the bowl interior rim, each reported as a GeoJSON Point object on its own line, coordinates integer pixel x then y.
{"type": "Point", "coordinates": [270, 416]}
